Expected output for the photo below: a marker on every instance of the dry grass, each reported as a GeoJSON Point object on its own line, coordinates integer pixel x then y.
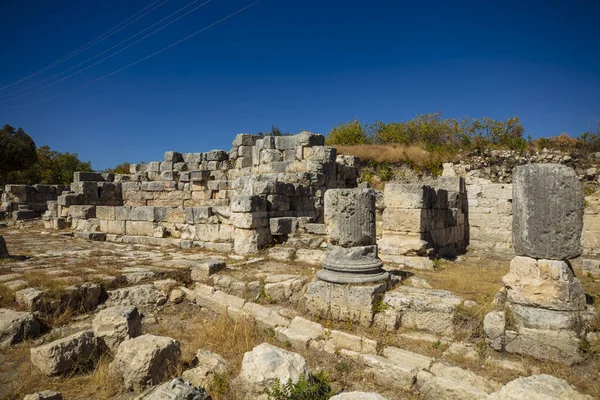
{"type": "Point", "coordinates": [20, 377]}
{"type": "Point", "coordinates": [7, 297]}
{"type": "Point", "coordinates": [392, 153]}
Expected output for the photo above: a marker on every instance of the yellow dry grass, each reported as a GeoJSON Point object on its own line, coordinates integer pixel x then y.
{"type": "Point", "coordinates": [19, 378]}
{"type": "Point", "coordinates": [392, 153]}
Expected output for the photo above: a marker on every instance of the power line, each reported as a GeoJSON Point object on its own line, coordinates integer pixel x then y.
{"type": "Point", "coordinates": [173, 44]}
{"type": "Point", "coordinates": [92, 43]}
{"type": "Point", "coordinates": [147, 57]}
{"type": "Point", "coordinates": [97, 55]}
{"type": "Point", "coordinates": [107, 57]}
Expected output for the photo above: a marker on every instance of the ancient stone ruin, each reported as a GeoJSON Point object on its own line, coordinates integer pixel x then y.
{"type": "Point", "coordinates": [274, 253]}
{"type": "Point", "coordinates": [545, 305]}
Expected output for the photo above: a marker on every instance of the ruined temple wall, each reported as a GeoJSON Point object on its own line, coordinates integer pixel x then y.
{"type": "Point", "coordinates": [27, 201]}
{"type": "Point", "coordinates": [215, 199]}
{"type": "Point", "coordinates": [489, 215]}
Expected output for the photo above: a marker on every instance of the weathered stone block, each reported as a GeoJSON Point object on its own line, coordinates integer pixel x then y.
{"type": "Point", "coordinates": [548, 202]}
{"type": "Point", "coordinates": [544, 283]}
{"type": "Point", "coordinates": [343, 302]}
{"type": "Point", "coordinates": [350, 217]}
{"type": "Point", "coordinates": [248, 241]}
{"type": "Point", "coordinates": [411, 195]}
{"type": "Point", "coordinates": [173, 157]}
{"type": "Point", "coordinates": [140, 228]}
{"type": "Point", "coordinates": [250, 220]}
{"type": "Point", "coordinates": [64, 355]}
{"type": "Point", "coordinates": [141, 213]}
{"type": "Point", "coordinates": [282, 226]}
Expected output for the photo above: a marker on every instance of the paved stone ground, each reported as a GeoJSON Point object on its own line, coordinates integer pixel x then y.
{"type": "Point", "coordinates": [56, 260]}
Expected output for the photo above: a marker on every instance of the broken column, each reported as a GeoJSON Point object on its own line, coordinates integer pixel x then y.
{"type": "Point", "coordinates": [545, 305]}
{"type": "Point", "coordinates": [351, 281]}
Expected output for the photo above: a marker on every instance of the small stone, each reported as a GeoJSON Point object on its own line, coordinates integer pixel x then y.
{"type": "Point", "coordinates": [209, 365]}
{"type": "Point", "coordinates": [44, 395]}
{"type": "Point", "coordinates": [176, 296]}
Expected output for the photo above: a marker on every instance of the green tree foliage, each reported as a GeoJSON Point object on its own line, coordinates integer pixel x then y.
{"type": "Point", "coordinates": [51, 167]}
{"type": "Point", "coordinates": [317, 388]}
{"type": "Point", "coordinates": [119, 169]}
{"type": "Point", "coordinates": [17, 151]}
{"type": "Point", "coordinates": [433, 132]}
{"type": "Point", "coordinates": [275, 131]}
{"type": "Point", "coordinates": [348, 134]}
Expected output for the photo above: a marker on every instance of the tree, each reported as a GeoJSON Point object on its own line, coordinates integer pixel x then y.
{"type": "Point", "coordinates": [52, 167]}
{"type": "Point", "coordinates": [348, 134]}
{"type": "Point", "coordinates": [119, 169]}
{"type": "Point", "coordinates": [17, 151]}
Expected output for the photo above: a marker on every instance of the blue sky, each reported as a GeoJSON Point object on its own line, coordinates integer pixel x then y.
{"type": "Point", "coordinates": [298, 64]}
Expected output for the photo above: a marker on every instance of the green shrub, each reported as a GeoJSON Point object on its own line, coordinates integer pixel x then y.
{"type": "Point", "coordinates": [317, 388]}
{"type": "Point", "coordinates": [348, 134]}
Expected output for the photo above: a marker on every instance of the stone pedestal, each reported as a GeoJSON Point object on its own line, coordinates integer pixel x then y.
{"type": "Point", "coordinates": [545, 310]}
{"type": "Point", "coordinates": [352, 251]}
{"type": "Point", "coordinates": [351, 283]}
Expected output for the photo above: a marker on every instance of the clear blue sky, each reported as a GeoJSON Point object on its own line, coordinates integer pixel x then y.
{"type": "Point", "coordinates": [298, 64]}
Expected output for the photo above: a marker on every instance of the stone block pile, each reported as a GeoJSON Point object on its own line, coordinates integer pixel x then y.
{"type": "Point", "coordinates": [218, 200]}
{"type": "Point", "coordinates": [424, 219]}
{"type": "Point", "coordinates": [545, 305]}
{"type": "Point", "coordinates": [22, 202]}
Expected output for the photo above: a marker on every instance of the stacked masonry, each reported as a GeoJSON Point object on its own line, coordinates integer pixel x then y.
{"type": "Point", "coordinates": [217, 200]}
{"type": "Point", "coordinates": [545, 306]}
{"type": "Point", "coordinates": [421, 219]}
{"type": "Point", "coordinates": [26, 202]}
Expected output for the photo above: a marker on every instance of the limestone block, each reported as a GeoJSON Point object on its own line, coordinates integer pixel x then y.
{"type": "Point", "coordinates": [141, 213]}
{"type": "Point", "coordinates": [176, 389]}
{"type": "Point", "coordinates": [425, 309]}
{"type": "Point", "coordinates": [173, 157]}
{"type": "Point", "coordinates": [17, 326]}
{"type": "Point", "coordinates": [448, 382]}
{"type": "Point", "coordinates": [548, 204]}
{"type": "Point", "coordinates": [394, 243]}
{"type": "Point", "coordinates": [82, 212]}
{"type": "Point", "coordinates": [248, 241]}
{"type": "Point", "coordinates": [244, 139]}
{"type": "Point", "coordinates": [29, 298]}
{"type": "Point", "coordinates": [250, 220]}
{"type": "Point", "coordinates": [282, 226]}
{"type": "Point", "coordinates": [266, 364]}
{"type": "Point", "coordinates": [538, 387]}
{"type": "Point", "coordinates": [105, 212]}
{"type": "Point", "coordinates": [145, 360]}
{"type": "Point", "coordinates": [248, 204]}
{"type": "Point", "coordinates": [201, 175]}
{"type": "Point", "coordinates": [63, 355]}
{"type": "Point", "coordinates": [544, 283]}
{"type": "Point", "coordinates": [209, 365]}
{"type": "Point", "coordinates": [389, 373]}
{"type": "Point", "coordinates": [560, 346]}
{"type": "Point", "coordinates": [113, 325]}
{"type": "Point", "coordinates": [205, 268]}
{"type": "Point", "coordinates": [198, 215]}
{"type": "Point", "coordinates": [411, 196]}
{"type": "Point", "coordinates": [192, 157]}
{"type": "Point", "coordinates": [268, 156]}
{"type": "Point", "coordinates": [350, 217]}
{"type": "Point", "coordinates": [217, 155]}
{"type": "Point", "coordinates": [141, 296]}
{"type": "Point", "coordinates": [494, 325]}
{"type": "Point", "coordinates": [81, 176]}
{"type": "Point", "coordinates": [343, 302]}
{"type": "Point", "coordinates": [139, 228]}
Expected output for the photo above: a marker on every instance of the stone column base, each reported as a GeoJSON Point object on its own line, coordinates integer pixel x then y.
{"type": "Point", "coordinates": [344, 302]}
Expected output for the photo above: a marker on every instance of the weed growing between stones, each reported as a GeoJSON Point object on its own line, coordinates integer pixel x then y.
{"type": "Point", "coordinates": [317, 387]}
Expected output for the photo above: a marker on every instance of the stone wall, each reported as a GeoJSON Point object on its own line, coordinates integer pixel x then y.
{"type": "Point", "coordinates": [28, 201]}
{"type": "Point", "coordinates": [424, 219]}
{"type": "Point", "coordinates": [217, 199]}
